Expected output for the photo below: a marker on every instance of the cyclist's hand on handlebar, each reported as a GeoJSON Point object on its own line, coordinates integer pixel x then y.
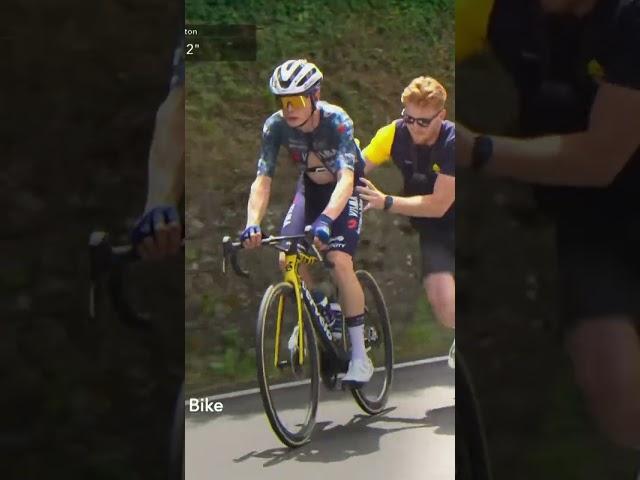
{"type": "Point", "coordinates": [156, 235]}
{"type": "Point", "coordinates": [251, 237]}
{"type": "Point", "coordinates": [321, 230]}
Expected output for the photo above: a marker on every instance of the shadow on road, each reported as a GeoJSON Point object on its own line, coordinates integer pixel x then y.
{"type": "Point", "coordinates": [408, 381]}
{"type": "Point", "coordinates": [444, 418]}
{"type": "Point", "coordinates": [360, 436]}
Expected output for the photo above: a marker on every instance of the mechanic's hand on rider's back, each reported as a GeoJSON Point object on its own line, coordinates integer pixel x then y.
{"type": "Point", "coordinates": [251, 237]}
{"type": "Point", "coordinates": [157, 234]}
{"type": "Point", "coordinates": [321, 230]}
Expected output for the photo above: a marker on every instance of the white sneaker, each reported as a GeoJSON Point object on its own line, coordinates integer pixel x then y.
{"type": "Point", "coordinates": [452, 355]}
{"type": "Point", "coordinates": [360, 371]}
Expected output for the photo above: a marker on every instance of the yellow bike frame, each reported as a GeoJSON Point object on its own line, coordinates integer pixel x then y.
{"type": "Point", "coordinates": [292, 276]}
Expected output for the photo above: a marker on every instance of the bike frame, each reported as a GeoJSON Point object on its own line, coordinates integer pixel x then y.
{"type": "Point", "coordinates": [292, 276]}
{"type": "Point", "coordinates": [303, 299]}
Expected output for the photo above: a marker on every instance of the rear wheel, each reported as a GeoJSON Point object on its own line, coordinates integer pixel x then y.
{"type": "Point", "coordinates": [373, 396]}
{"type": "Point", "coordinates": [289, 389]}
{"type": "Point", "coordinates": [472, 460]}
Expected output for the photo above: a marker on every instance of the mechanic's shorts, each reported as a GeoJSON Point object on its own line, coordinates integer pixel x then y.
{"type": "Point", "coordinates": [438, 250]}
{"type": "Point", "coordinates": [599, 271]}
{"type": "Point", "coordinates": [310, 201]}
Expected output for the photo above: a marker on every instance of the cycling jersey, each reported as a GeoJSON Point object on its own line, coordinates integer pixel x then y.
{"type": "Point", "coordinates": [177, 79]}
{"type": "Point", "coordinates": [332, 141]}
{"type": "Point", "coordinates": [556, 63]}
{"type": "Point", "coordinates": [472, 18]}
{"type": "Point", "coordinates": [420, 165]}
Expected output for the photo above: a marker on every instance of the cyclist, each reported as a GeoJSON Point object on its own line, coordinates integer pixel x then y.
{"type": "Point", "coordinates": [157, 232]}
{"type": "Point", "coordinates": [421, 144]}
{"type": "Point", "coordinates": [576, 67]}
{"type": "Point", "coordinates": [319, 138]}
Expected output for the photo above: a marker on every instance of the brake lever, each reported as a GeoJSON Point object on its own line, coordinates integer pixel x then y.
{"type": "Point", "coordinates": [230, 250]}
{"type": "Point", "coordinates": [323, 258]}
{"type": "Point", "coordinates": [107, 261]}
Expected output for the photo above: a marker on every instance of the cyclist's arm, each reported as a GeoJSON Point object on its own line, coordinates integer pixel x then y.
{"type": "Point", "coordinates": [590, 158]}
{"type": "Point", "coordinates": [261, 186]}
{"type": "Point", "coordinates": [166, 154]}
{"type": "Point", "coordinates": [258, 200]}
{"type": "Point", "coordinates": [346, 157]}
{"type": "Point", "coordinates": [341, 194]}
{"type": "Point", "coordinates": [434, 205]}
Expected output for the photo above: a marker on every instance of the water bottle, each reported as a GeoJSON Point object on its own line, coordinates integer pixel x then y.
{"type": "Point", "coordinates": [331, 311]}
{"type": "Point", "coordinates": [320, 300]}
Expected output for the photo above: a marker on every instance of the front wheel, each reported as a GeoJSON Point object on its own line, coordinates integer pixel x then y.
{"type": "Point", "coordinates": [373, 396]}
{"type": "Point", "coordinates": [176, 449]}
{"type": "Point", "coordinates": [289, 388]}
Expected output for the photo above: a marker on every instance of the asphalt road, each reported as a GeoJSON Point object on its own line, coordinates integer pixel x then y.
{"type": "Point", "coordinates": [413, 440]}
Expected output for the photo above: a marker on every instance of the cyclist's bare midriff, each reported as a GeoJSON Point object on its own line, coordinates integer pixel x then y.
{"type": "Point", "coordinates": [321, 177]}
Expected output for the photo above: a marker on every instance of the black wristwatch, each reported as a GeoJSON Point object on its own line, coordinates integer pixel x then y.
{"type": "Point", "coordinates": [388, 202]}
{"type": "Point", "coordinates": [482, 152]}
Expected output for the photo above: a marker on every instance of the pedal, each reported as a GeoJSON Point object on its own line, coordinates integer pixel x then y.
{"type": "Point", "coordinates": [284, 364]}
{"type": "Point", "coordinates": [351, 385]}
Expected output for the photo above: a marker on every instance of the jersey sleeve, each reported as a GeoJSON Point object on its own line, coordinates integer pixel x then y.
{"type": "Point", "coordinates": [379, 150]}
{"type": "Point", "coordinates": [177, 77]}
{"type": "Point", "coordinates": [447, 158]}
{"type": "Point", "coordinates": [472, 20]}
{"type": "Point", "coordinates": [347, 152]}
{"type": "Point", "coordinates": [622, 67]}
{"type": "Point", "coordinates": [271, 139]}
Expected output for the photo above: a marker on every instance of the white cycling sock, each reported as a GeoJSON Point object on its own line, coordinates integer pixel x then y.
{"type": "Point", "coordinates": [356, 335]}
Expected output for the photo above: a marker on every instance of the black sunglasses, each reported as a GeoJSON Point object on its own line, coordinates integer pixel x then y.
{"type": "Point", "coordinates": [423, 122]}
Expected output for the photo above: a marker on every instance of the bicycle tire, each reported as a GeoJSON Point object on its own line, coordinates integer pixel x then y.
{"type": "Point", "coordinates": [176, 447]}
{"type": "Point", "coordinates": [373, 406]}
{"type": "Point", "coordinates": [472, 459]}
{"type": "Point", "coordinates": [286, 436]}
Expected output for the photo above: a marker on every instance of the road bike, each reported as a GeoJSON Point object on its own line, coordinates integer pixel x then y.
{"type": "Point", "coordinates": [294, 341]}
{"type": "Point", "coordinates": [107, 271]}
{"type": "Point", "coordinates": [472, 458]}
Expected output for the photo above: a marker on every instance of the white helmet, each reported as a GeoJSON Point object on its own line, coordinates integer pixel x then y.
{"type": "Point", "coordinates": [294, 77]}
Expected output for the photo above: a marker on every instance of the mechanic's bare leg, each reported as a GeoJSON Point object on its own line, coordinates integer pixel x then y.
{"type": "Point", "coordinates": [606, 357]}
{"type": "Point", "coordinates": [441, 293]}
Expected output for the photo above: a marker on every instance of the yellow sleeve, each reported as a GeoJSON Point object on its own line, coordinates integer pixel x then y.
{"type": "Point", "coordinates": [379, 150]}
{"type": "Point", "coordinates": [472, 19]}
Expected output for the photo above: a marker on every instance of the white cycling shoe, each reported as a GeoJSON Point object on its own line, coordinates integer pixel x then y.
{"type": "Point", "coordinates": [360, 372]}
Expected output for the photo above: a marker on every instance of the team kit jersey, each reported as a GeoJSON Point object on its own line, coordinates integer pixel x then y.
{"type": "Point", "coordinates": [420, 166]}
{"type": "Point", "coordinates": [333, 142]}
{"type": "Point", "coordinates": [557, 65]}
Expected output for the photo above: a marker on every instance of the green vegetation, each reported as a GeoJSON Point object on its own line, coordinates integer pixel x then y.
{"type": "Point", "coordinates": [368, 51]}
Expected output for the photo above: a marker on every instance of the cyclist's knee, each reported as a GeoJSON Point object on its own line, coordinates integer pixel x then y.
{"type": "Point", "coordinates": [342, 264]}
{"type": "Point", "coordinates": [281, 261]}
